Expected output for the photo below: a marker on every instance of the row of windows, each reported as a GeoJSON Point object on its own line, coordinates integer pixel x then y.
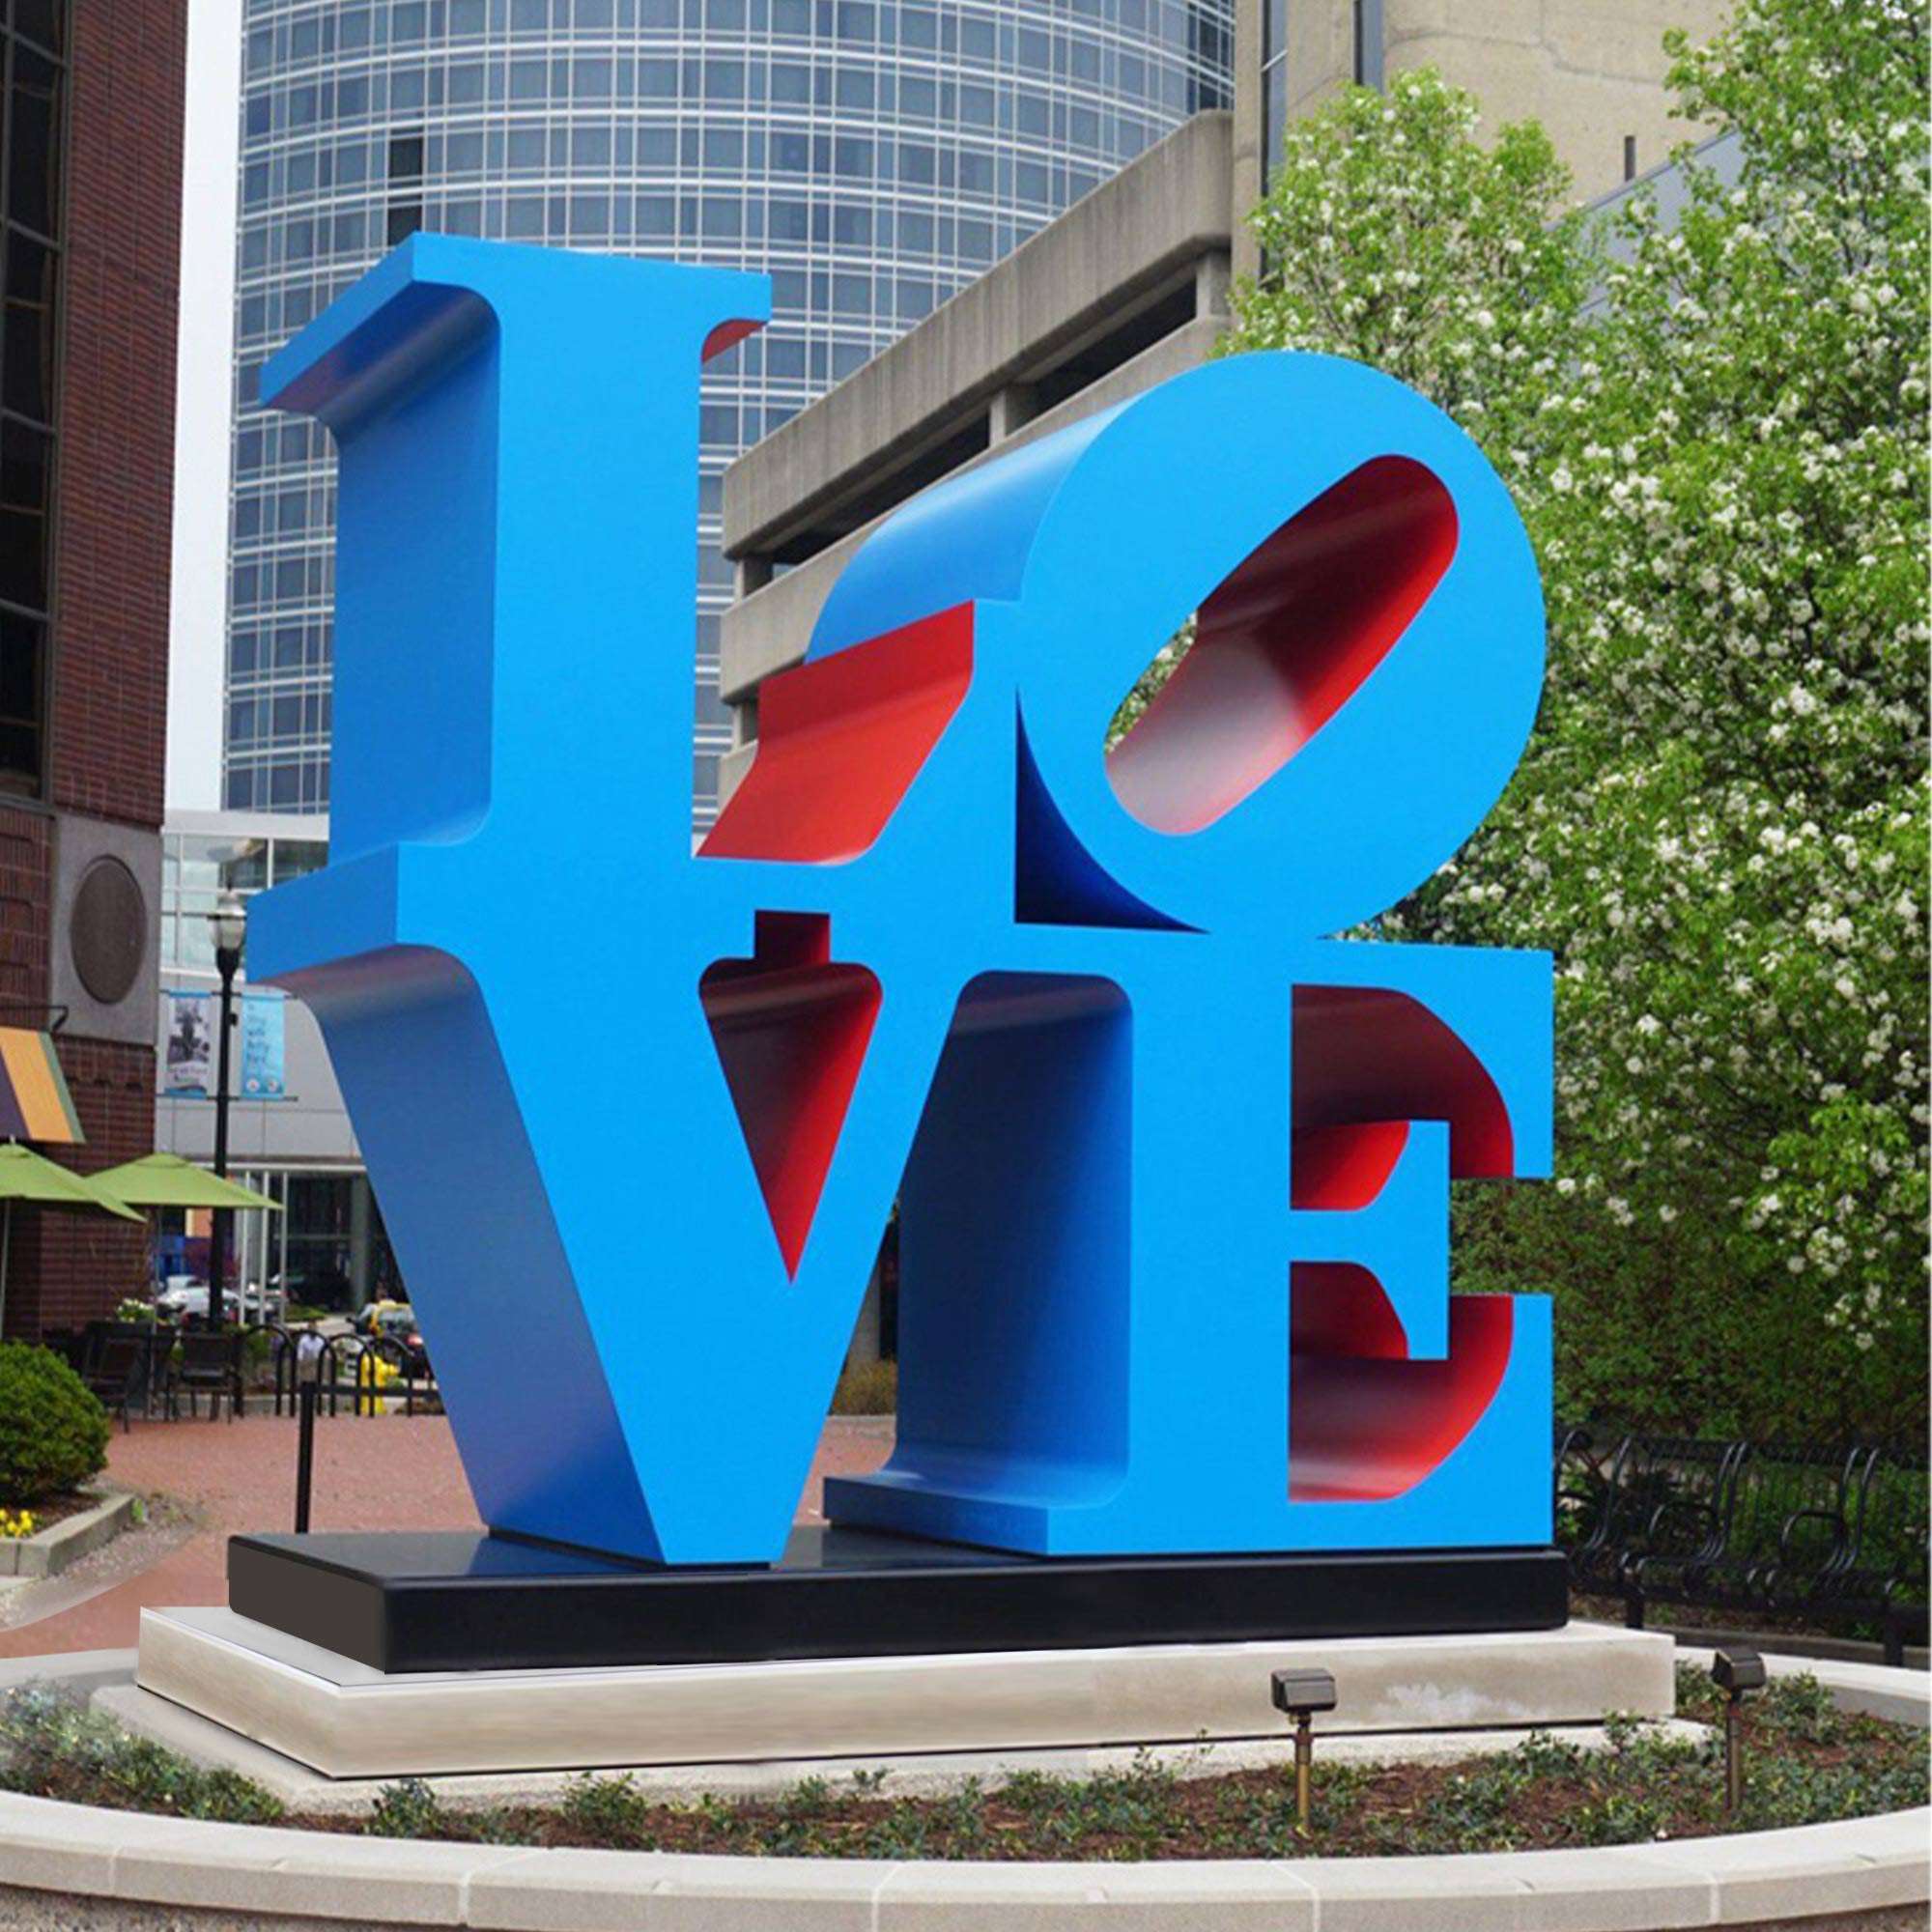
{"type": "Point", "coordinates": [277, 785]}
{"type": "Point", "coordinates": [284, 718]}
{"type": "Point", "coordinates": [542, 149]}
{"type": "Point", "coordinates": [290, 579]}
{"type": "Point", "coordinates": [333, 33]}
{"type": "Point", "coordinates": [912, 226]}
{"type": "Point", "coordinates": [652, 223]}
{"type": "Point", "coordinates": [291, 648]}
{"type": "Point", "coordinates": [322, 227]}
{"type": "Point", "coordinates": [1126, 71]}
{"type": "Point", "coordinates": [737, 84]}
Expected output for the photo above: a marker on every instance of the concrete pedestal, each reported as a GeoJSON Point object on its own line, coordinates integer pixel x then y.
{"type": "Point", "coordinates": [346, 1719]}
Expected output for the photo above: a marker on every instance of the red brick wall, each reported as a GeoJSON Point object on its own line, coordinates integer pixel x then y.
{"type": "Point", "coordinates": [114, 508]}
{"type": "Point", "coordinates": [26, 852]}
{"type": "Point", "coordinates": [115, 423]}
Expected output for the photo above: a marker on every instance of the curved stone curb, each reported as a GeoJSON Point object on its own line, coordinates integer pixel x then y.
{"type": "Point", "coordinates": [50, 1550]}
{"type": "Point", "coordinates": [117, 1866]}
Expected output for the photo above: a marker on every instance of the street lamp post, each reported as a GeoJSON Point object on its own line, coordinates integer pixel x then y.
{"type": "Point", "coordinates": [229, 921]}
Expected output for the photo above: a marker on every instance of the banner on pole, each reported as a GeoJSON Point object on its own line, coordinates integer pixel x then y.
{"type": "Point", "coordinates": [189, 1070]}
{"type": "Point", "coordinates": [264, 1074]}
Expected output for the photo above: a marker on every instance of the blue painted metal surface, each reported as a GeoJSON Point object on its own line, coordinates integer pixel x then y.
{"type": "Point", "coordinates": [1097, 1045]}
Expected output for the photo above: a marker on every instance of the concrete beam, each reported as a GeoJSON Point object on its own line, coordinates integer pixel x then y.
{"type": "Point", "coordinates": [768, 630]}
{"type": "Point", "coordinates": [1124, 243]}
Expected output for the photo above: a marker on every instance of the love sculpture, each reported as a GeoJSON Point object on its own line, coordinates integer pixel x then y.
{"type": "Point", "coordinates": [1170, 1151]}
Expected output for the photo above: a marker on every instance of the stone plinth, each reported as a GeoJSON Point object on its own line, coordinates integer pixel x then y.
{"type": "Point", "coordinates": [350, 1721]}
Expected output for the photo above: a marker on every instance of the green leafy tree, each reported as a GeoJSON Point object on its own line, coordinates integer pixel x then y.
{"type": "Point", "coordinates": [1715, 429]}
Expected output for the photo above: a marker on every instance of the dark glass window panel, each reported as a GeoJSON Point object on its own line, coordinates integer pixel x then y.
{"type": "Point", "coordinates": [405, 219]}
{"type": "Point", "coordinates": [25, 475]}
{"type": "Point", "coordinates": [26, 347]}
{"type": "Point", "coordinates": [22, 642]}
{"type": "Point", "coordinates": [31, 135]}
{"type": "Point", "coordinates": [406, 158]}
{"type": "Point", "coordinates": [40, 20]}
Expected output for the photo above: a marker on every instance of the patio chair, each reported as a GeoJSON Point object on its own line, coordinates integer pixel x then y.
{"type": "Point", "coordinates": [211, 1362]}
{"type": "Point", "coordinates": [117, 1371]}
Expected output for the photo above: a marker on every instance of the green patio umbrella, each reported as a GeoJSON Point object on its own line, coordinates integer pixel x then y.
{"type": "Point", "coordinates": [25, 1176]}
{"type": "Point", "coordinates": [167, 1181]}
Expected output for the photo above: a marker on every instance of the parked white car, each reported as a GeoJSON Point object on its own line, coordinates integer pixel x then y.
{"type": "Point", "coordinates": [184, 1297]}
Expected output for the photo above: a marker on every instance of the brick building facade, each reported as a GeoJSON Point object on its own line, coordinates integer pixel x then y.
{"type": "Point", "coordinates": [90, 203]}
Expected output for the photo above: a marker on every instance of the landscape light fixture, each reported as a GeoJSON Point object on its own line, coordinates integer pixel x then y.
{"type": "Point", "coordinates": [1299, 1695]}
{"type": "Point", "coordinates": [1737, 1671]}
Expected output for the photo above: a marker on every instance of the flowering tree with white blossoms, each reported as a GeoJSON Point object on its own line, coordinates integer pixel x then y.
{"type": "Point", "coordinates": [1716, 432]}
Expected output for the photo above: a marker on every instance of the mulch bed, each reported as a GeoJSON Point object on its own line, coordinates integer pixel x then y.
{"type": "Point", "coordinates": [1803, 1767]}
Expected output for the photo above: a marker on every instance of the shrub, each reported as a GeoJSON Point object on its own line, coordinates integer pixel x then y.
{"type": "Point", "coordinates": [867, 1389]}
{"type": "Point", "coordinates": [1719, 824]}
{"type": "Point", "coordinates": [408, 1808]}
{"type": "Point", "coordinates": [53, 1433]}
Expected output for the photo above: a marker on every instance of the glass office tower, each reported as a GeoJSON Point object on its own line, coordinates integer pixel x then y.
{"type": "Point", "coordinates": [873, 156]}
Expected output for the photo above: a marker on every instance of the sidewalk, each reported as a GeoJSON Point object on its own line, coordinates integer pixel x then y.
{"type": "Point", "coordinates": [388, 1472]}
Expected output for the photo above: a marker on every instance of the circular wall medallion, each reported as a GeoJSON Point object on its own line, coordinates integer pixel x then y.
{"type": "Point", "coordinates": [108, 931]}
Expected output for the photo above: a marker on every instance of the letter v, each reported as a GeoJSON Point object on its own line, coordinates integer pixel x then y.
{"type": "Point", "coordinates": [503, 950]}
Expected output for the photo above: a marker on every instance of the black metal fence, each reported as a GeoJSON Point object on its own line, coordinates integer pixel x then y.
{"type": "Point", "coordinates": [1830, 1536]}
{"type": "Point", "coordinates": [363, 1373]}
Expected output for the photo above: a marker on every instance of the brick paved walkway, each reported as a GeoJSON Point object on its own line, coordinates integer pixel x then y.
{"type": "Point", "coordinates": [392, 1472]}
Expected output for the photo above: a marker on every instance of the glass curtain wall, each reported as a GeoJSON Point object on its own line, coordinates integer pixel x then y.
{"type": "Point", "coordinates": [873, 156]}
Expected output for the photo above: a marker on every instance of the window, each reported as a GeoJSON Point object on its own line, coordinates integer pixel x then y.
{"type": "Point", "coordinates": [1274, 83]}
{"type": "Point", "coordinates": [31, 86]}
{"type": "Point", "coordinates": [406, 158]}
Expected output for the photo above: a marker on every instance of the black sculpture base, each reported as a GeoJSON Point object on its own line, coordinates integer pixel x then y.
{"type": "Point", "coordinates": [466, 1601]}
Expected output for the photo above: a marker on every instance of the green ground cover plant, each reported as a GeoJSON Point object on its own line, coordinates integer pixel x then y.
{"type": "Point", "coordinates": [52, 1745]}
{"type": "Point", "coordinates": [1808, 1764]}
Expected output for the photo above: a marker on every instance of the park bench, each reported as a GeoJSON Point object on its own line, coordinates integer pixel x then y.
{"type": "Point", "coordinates": [1835, 1536]}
